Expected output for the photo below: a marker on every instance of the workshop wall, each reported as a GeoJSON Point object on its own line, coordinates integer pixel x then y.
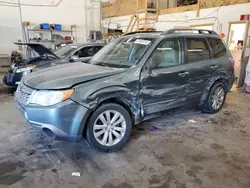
{"type": "Point", "coordinates": [115, 8]}
{"type": "Point", "coordinates": [86, 16]}
{"type": "Point", "coordinates": [219, 16]}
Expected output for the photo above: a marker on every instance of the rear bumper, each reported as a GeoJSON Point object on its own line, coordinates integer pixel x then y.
{"type": "Point", "coordinates": [64, 121]}
{"type": "Point", "coordinates": [232, 82]}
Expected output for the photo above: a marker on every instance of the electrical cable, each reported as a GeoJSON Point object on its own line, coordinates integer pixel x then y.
{"type": "Point", "coordinates": [186, 20]}
{"type": "Point", "coordinates": [191, 19]}
{"type": "Point", "coordinates": [21, 20]}
{"type": "Point", "coordinates": [32, 5]}
{"type": "Point", "coordinates": [5, 5]}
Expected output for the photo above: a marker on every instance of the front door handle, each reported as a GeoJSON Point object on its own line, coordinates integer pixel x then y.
{"type": "Point", "coordinates": [214, 66]}
{"type": "Point", "coordinates": [183, 74]}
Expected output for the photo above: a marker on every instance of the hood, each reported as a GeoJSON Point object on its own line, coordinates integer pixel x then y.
{"type": "Point", "coordinates": [42, 65]}
{"type": "Point", "coordinates": [40, 49]}
{"type": "Point", "coordinates": [46, 64]}
{"type": "Point", "coordinates": [67, 75]}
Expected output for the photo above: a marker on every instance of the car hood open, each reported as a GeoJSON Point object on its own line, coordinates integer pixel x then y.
{"type": "Point", "coordinates": [40, 49]}
{"type": "Point", "coordinates": [67, 75]}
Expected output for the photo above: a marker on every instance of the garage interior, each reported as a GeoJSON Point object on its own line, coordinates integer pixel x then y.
{"type": "Point", "coordinates": [177, 148]}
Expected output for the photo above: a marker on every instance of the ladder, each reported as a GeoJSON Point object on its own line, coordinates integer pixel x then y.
{"type": "Point", "coordinates": [145, 17]}
{"type": "Point", "coordinates": [132, 23]}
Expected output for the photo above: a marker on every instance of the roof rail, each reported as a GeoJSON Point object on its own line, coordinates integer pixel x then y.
{"type": "Point", "coordinates": [135, 32]}
{"type": "Point", "coordinates": [201, 31]}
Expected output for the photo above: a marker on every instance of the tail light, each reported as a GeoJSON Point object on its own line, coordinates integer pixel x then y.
{"type": "Point", "coordinates": [232, 61]}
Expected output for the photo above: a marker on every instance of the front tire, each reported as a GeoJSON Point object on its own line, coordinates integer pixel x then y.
{"type": "Point", "coordinates": [109, 128]}
{"type": "Point", "coordinates": [216, 98]}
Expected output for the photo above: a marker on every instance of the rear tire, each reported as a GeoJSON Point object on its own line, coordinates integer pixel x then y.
{"type": "Point", "coordinates": [216, 98]}
{"type": "Point", "coordinates": [109, 128]}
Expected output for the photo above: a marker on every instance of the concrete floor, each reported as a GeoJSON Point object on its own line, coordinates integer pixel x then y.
{"type": "Point", "coordinates": [165, 152]}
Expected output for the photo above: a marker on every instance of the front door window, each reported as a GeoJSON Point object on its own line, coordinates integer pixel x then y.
{"type": "Point", "coordinates": [167, 54]}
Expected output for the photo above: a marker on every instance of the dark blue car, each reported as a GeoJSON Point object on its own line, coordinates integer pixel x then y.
{"type": "Point", "coordinates": [45, 58]}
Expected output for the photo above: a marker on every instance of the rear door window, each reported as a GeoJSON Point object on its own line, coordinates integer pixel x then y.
{"type": "Point", "coordinates": [218, 47]}
{"type": "Point", "coordinates": [197, 49]}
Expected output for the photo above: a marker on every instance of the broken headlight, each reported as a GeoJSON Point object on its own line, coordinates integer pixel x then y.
{"type": "Point", "coordinates": [29, 68]}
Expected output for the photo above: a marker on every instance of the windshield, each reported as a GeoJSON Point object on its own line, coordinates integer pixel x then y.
{"type": "Point", "coordinates": [123, 52]}
{"type": "Point", "coordinates": [65, 50]}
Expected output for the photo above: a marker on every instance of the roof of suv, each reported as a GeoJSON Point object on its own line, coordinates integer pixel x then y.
{"type": "Point", "coordinates": [182, 32]}
{"type": "Point", "coordinates": [153, 34]}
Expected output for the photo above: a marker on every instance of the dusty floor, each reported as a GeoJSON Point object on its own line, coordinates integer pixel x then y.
{"type": "Point", "coordinates": [165, 152]}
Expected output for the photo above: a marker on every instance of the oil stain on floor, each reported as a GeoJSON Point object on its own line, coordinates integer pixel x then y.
{"type": "Point", "coordinates": [11, 172]}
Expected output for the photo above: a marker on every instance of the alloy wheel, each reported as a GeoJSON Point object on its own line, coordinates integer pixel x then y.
{"type": "Point", "coordinates": [218, 98]}
{"type": "Point", "coordinates": [109, 128]}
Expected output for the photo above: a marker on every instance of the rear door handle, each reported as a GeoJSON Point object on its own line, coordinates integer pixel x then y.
{"type": "Point", "coordinates": [214, 67]}
{"type": "Point", "coordinates": [183, 74]}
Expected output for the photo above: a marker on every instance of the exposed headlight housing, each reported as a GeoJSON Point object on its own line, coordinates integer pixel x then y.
{"type": "Point", "coordinates": [49, 98]}
{"type": "Point", "coordinates": [12, 66]}
{"type": "Point", "coordinates": [29, 68]}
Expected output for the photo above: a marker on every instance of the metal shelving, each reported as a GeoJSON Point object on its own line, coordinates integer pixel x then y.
{"type": "Point", "coordinates": [49, 34]}
{"type": "Point", "coordinates": [49, 30]}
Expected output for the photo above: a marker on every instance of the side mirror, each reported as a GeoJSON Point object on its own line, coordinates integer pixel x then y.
{"type": "Point", "coordinates": [150, 67]}
{"type": "Point", "coordinates": [155, 60]}
{"type": "Point", "coordinates": [73, 58]}
{"type": "Point", "coordinates": [147, 67]}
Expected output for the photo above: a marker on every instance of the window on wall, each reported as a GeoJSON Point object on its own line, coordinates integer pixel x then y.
{"type": "Point", "coordinates": [167, 54]}
{"type": "Point", "coordinates": [218, 47]}
{"type": "Point", "coordinates": [197, 49]}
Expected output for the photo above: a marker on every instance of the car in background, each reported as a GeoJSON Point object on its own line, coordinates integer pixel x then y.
{"type": "Point", "coordinates": [126, 82]}
{"type": "Point", "coordinates": [45, 58]}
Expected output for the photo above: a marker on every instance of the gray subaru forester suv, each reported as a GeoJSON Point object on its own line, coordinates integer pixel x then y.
{"type": "Point", "coordinates": [130, 78]}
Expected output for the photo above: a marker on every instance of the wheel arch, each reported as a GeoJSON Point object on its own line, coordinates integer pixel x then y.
{"type": "Point", "coordinates": [118, 96]}
{"type": "Point", "coordinates": [222, 77]}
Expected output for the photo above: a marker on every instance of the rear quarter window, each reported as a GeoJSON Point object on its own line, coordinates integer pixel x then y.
{"type": "Point", "coordinates": [218, 47]}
